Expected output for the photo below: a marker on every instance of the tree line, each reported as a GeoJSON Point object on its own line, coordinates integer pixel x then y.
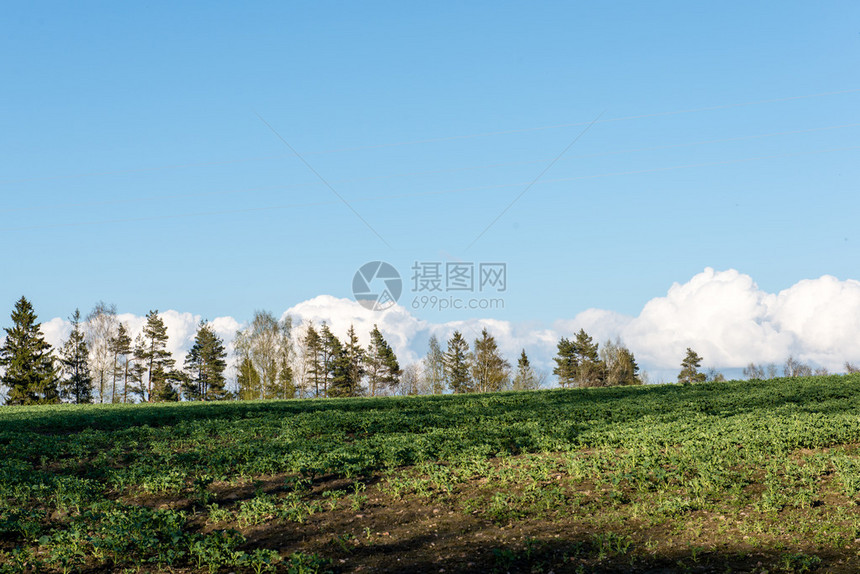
{"type": "Point", "coordinates": [99, 362]}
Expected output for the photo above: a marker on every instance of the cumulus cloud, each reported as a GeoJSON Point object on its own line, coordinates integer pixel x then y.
{"type": "Point", "coordinates": [723, 315]}
{"type": "Point", "coordinates": [731, 322]}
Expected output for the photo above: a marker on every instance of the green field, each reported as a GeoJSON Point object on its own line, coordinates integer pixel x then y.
{"type": "Point", "coordinates": [759, 476]}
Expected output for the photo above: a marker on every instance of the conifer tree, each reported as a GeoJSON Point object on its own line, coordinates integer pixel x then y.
{"type": "Point", "coordinates": [138, 369]}
{"type": "Point", "coordinates": [457, 360]}
{"type": "Point", "coordinates": [330, 349]}
{"type": "Point", "coordinates": [567, 363]}
{"type": "Point", "coordinates": [286, 384]}
{"type": "Point", "coordinates": [28, 360]}
{"type": "Point", "coordinates": [525, 379]}
{"type": "Point", "coordinates": [490, 371]}
{"type": "Point", "coordinates": [590, 370]}
{"type": "Point", "coordinates": [312, 351]}
{"type": "Point", "coordinates": [159, 360]}
{"type": "Point", "coordinates": [74, 359]}
{"type": "Point", "coordinates": [348, 367]}
{"type": "Point", "coordinates": [120, 346]}
{"type": "Point", "coordinates": [383, 369]}
{"type": "Point", "coordinates": [690, 368]}
{"type": "Point", "coordinates": [205, 364]}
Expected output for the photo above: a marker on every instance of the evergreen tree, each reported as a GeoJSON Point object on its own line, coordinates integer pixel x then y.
{"type": "Point", "coordinates": [566, 362]}
{"type": "Point", "coordinates": [690, 368]}
{"type": "Point", "coordinates": [138, 369]}
{"type": "Point", "coordinates": [490, 371]}
{"type": "Point", "coordinates": [205, 364]}
{"type": "Point", "coordinates": [434, 367]}
{"type": "Point", "coordinates": [169, 384]}
{"type": "Point", "coordinates": [159, 360]}
{"type": "Point", "coordinates": [330, 349]}
{"type": "Point", "coordinates": [349, 368]}
{"type": "Point", "coordinates": [28, 360]}
{"type": "Point", "coordinates": [383, 369]}
{"type": "Point", "coordinates": [590, 370]}
{"type": "Point", "coordinates": [312, 351]}
{"type": "Point", "coordinates": [336, 366]}
{"type": "Point", "coordinates": [525, 379]}
{"type": "Point", "coordinates": [457, 360]}
{"type": "Point", "coordinates": [286, 384]}
{"type": "Point", "coordinates": [120, 346]}
{"type": "Point", "coordinates": [77, 385]}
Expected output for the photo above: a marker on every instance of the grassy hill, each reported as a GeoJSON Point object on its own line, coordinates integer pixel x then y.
{"type": "Point", "coordinates": [724, 477]}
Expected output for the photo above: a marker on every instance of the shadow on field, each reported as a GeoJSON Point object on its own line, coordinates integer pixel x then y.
{"type": "Point", "coordinates": [429, 554]}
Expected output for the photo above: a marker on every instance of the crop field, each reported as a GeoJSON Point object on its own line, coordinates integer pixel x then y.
{"type": "Point", "coordinates": [758, 476]}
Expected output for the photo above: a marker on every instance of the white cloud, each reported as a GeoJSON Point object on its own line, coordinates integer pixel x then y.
{"type": "Point", "coordinates": [731, 322]}
{"type": "Point", "coordinates": [723, 315]}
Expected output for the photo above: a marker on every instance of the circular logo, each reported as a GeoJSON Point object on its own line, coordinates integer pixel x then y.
{"type": "Point", "coordinates": [377, 285]}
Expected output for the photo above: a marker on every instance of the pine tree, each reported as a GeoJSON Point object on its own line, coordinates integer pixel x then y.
{"type": "Point", "coordinates": [330, 349]}
{"type": "Point", "coordinates": [525, 379]}
{"type": "Point", "coordinates": [457, 360]}
{"type": "Point", "coordinates": [383, 369]}
{"type": "Point", "coordinates": [77, 385]}
{"type": "Point", "coordinates": [168, 384]}
{"type": "Point", "coordinates": [490, 371]}
{"type": "Point", "coordinates": [690, 368]}
{"type": "Point", "coordinates": [205, 364]}
{"type": "Point", "coordinates": [590, 370]}
{"type": "Point", "coordinates": [628, 370]}
{"type": "Point", "coordinates": [312, 351]}
{"type": "Point", "coordinates": [434, 367]}
{"type": "Point", "coordinates": [28, 360]}
{"type": "Point", "coordinates": [159, 360]}
{"type": "Point", "coordinates": [335, 364]}
{"type": "Point", "coordinates": [138, 368]}
{"type": "Point", "coordinates": [120, 346]}
{"type": "Point", "coordinates": [567, 363]}
{"type": "Point", "coordinates": [286, 384]}
{"type": "Point", "coordinates": [349, 368]}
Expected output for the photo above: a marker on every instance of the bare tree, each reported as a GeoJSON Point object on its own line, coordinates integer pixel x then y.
{"type": "Point", "coordinates": [267, 343]}
{"type": "Point", "coordinates": [101, 328]}
{"type": "Point", "coordinates": [411, 381]}
{"type": "Point", "coordinates": [434, 368]}
{"type": "Point", "coordinates": [714, 376]}
{"type": "Point", "coordinates": [621, 367]}
{"type": "Point", "coordinates": [794, 368]}
{"type": "Point", "coordinates": [753, 371]}
{"type": "Point", "coordinates": [771, 371]}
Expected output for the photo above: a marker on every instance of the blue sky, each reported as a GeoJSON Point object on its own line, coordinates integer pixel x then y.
{"type": "Point", "coordinates": [136, 168]}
